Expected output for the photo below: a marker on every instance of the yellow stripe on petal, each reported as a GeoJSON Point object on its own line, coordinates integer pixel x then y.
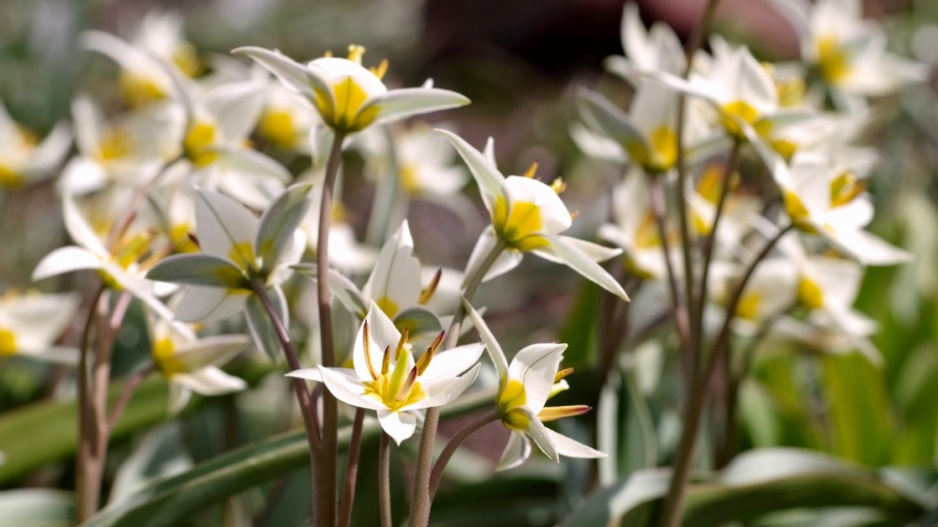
{"type": "Point", "coordinates": [9, 178]}
{"type": "Point", "coordinates": [349, 98]}
{"type": "Point", "coordinates": [832, 60]}
{"type": "Point", "coordinates": [748, 307]}
{"type": "Point", "coordinates": [164, 355]}
{"type": "Point", "coordinates": [518, 224]}
{"type": "Point", "coordinates": [810, 293]}
{"type": "Point", "coordinates": [242, 254]}
{"type": "Point", "coordinates": [387, 305]}
{"type": "Point", "coordinates": [139, 90]}
{"type": "Point", "coordinates": [278, 128]}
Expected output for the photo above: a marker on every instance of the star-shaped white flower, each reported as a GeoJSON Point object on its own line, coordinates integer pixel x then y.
{"type": "Point", "coordinates": [528, 216]}
{"type": "Point", "coordinates": [30, 323]}
{"type": "Point", "coordinates": [524, 387]}
{"type": "Point", "coordinates": [387, 378]}
{"type": "Point", "coordinates": [22, 159]}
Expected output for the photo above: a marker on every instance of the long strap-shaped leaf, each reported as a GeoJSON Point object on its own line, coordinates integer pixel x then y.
{"type": "Point", "coordinates": [169, 502]}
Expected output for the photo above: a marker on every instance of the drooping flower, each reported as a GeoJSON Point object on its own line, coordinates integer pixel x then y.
{"type": "Point", "coordinates": [348, 96]}
{"type": "Point", "coordinates": [239, 252]}
{"type": "Point", "coordinates": [524, 386]}
{"type": "Point", "coordinates": [387, 378]}
{"type": "Point", "coordinates": [528, 216]}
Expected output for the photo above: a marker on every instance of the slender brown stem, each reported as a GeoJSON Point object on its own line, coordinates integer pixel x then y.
{"type": "Point", "coordinates": [130, 386]}
{"type": "Point", "coordinates": [307, 409]}
{"type": "Point", "coordinates": [422, 497]}
{"type": "Point", "coordinates": [472, 427]}
{"type": "Point", "coordinates": [710, 243]}
{"type": "Point", "coordinates": [674, 504]}
{"type": "Point", "coordinates": [678, 309]}
{"type": "Point", "coordinates": [351, 469]}
{"type": "Point", "coordinates": [87, 497]}
{"type": "Point", "coordinates": [326, 502]}
{"type": "Point", "coordinates": [384, 479]}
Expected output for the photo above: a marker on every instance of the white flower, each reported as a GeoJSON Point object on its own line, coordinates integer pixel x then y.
{"type": "Point", "coordinates": [189, 363]}
{"type": "Point", "coordinates": [119, 266]}
{"type": "Point", "coordinates": [388, 379]}
{"type": "Point", "coordinates": [657, 48]}
{"type": "Point", "coordinates": [528, 215]}
{"type": "Point", "coordinates": [348, 96]}
{"type": "Point", "coordinates": [22, 159]}
{"type": "Point", "coordinates": [239, 252]}
{"type": "Point", "coordinates": [30, 323]}
{"type": "Point", "coordinates": [524, 387]}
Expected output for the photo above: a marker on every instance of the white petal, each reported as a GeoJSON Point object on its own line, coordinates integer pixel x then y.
{"type": "Point", "coordinates": [348, 389]}
{"type": "Point", "coordinates": [398, 104]}
{"type": "Point", "coordinates": [291, 73]}
{"type": "Point", "coordinates": [396, 276]}
{"type": "Point", "coordinates": [64, 260]}
{"type": "Point", "coordinates": [381, 333]}
{"type": "Point", "coordinates": [448, 364]}
{"type": "Point", "coordinates": [222, 223]}
{"type": "Point", "coordinates": [444, 392]}
{"type": "Point", "coordinates": [211, 351]}
{"type": "Point", "coordinates": [235, 107]}
{"type": "Point", "coordinates": [208, 304]}
{"type": "Point", "coordinates": [535, 367]}
{"type": "Point", "coordinates": [483, 169]}
{"type": "Point", "coordinates": [506, 261]}
{"type": "Point", "coordinates": [398, 425]}
{"type": "Point", "coordinates": [540, 435]}
{"type": "Point", "coordinates": [210, 381]}
{"type": "Point", "coordinates": [516, 452]}
{"type": "Point", "coordinates": [869, 249]}
{"type": "Point", "coordinates": [555, 217]}
{"type": "Point", "coordinates": [570, 448]}
{"type": "Point", "coordinates": [491, 344]}
{"type": "Point", "coordinates": [571, 255]}
{"type": "Point", "coordinates": [79, 229]}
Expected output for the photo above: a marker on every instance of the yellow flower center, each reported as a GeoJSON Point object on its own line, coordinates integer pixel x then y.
{"type": "Point", "coordinates": [164, 355]}
{"type": "Point", "coordinates": [387, 305]}
{"type": "Point", "coordinates": [7, 342]}
{"type": "Point", "coordinates": [277, 127]}
{"type": "Point", "coordinates": [345, 114]}
{"type": "Point", "coordinates": [510, 400]}
{"type": "Point", "coordinates": [187, 60]}
{"type": "Point", "coordinates": [518, 224]}
{"type": "Point", "coordinates": [810, 293]}
{"type": "Point", "coordinates": [790, 92]}
{"type": "Point", "coordinates": [139, 90]}
{"type": "Point", "coordinates": [182, 242]}
{"type": "Point", "coordinates": [745, 112]}
{"type": "Point", "coordinates": [784, 148]}
{"type": "Point", "coordinates": [9, 178]}
{"type": "Point", "coordinates": [798, 212]}
{"type": "Point", "coordinates": [660, 155]}
{"type": "Point", "coordinates": [408, 178]}
{"type": "Point", "coordinates": [646, 235]}
{"type": "Point", "coordinates": [242, 254]}
{"type": "Point", "coordinates": [115, 144]}
{"type": "Point", "coordinates": [844, 188]}
{"type": "Point", "coordinates": [198, 143]}
{"type": "Point", "coordinates": [748, 307]}
{"type": "Point", "coordinates": [832, 59]}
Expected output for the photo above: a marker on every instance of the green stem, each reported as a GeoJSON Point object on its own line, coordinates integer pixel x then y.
{"type": "Point", "coordinates": [422, 497]}
{"type": "Point", "coordinates": [472, 427]}
{"type": "Point", "coordinates": [384, 479]}
{"type": "Point", "coordinates": [351, 470]}
{"type": "Point", "coordinates": [307, 408]}
{"type": "Point", "coordinates": [326, 488]}
{"type": "Point", "coordinates": [673, 512]}
{"type": "Point", "coordinates": [87, 497]}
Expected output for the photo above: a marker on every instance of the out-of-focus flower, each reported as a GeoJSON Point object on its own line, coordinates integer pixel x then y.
{"type": "Point", "coordinates": [388, 379]}
{"type": "Point", "coordinates": [190, 363]}
{"type": "Point", "coordinates": [30, 323]}
{"type": "Point", "coordinates": [348, 96]}
{"type": "Point", "coordinates": [524, 387]}
{"type": "Point", "coordinates": [656, 48]}
{"type": "Point", "coordinates": [239, 252]}
{"type": "Point", "coordinates": [24, 160]}
{"type": "Point", "coordinates": [528, 216]}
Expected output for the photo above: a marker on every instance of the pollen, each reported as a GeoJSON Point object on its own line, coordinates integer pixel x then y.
{"type": "Point", "coordinates": [558, 186]}
{"type": "Point", "coordinates": [355, 53]}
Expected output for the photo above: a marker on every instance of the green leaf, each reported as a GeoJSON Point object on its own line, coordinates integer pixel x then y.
{"type": "Point", "coordinates": [198, 269]}
{"type": "Point", "coordinates": [169, 502]}
{"type": "Point", "coordinates": [37, 508]}
{"type": "Point", "coordinates": [418, 321]}
{"type": "Point", "coordinates": [260, 325]}
{"type": "Point", "coordinates": [279, 223]}
{"type": "Point", "coordinates": [755, 484]}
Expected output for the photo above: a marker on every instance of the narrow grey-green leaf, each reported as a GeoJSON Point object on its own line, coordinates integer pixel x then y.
{"type": "Point", "coordinates": [198, 269]}
{"type": "Point", "coordinates": [418, 321]}
{"type": "Point", "coordinates": [344, 289]}
{"type": "Point", "coordinates": [37, 508]}
{"type": "Point", "coordinates": [279, 222]}
{"type": "Point", "coordinates": [260, 325]}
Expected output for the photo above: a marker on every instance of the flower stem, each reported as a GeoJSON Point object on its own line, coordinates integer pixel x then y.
{"type": "Point", "coordinates": [422, 496]}
{"type": "Point", "coordinates": [326, 489]}
{"type": "Point", "coordinates": [472, 427]}
{"type": "Point", "coordinates": [351, 470]}
{"type": "Point", "coordinates": [673, 512]}
{"type": "Point", "coordinates": [87, 491]}
{"type": "Point", "coordinates": [384, 479]}
{"type": "Point", "coordinates": [307, 409]}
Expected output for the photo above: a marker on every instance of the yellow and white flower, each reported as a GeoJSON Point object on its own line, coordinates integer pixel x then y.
{"type": "Point", "coordinates": [30, 323]}
{"type": "Point", "coordinates": [387, 378]}
{"type": "Point", "coordinates": [348, 96]}
{"type": "Point", "coordinates": [524, 386]}
{"type": "Point", "coordinates": [24, 160]}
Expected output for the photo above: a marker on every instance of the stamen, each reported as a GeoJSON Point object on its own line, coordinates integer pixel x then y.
{"type": "Point", "coordinates": [381, 69]}
{"type": "Point", "coordinates": [400, 344]}
{"type": "Point", "coordinates": [367, 345]}
{"type": "Point", "coordinates": [552, 413]}
{"type": "Point", "coordinates": [355, 53]}
{"type": "Point", "coordinates": [404, 391]}
{"type": "Point", "coordinates": [531, 170]}
{"type": "Point", "coordinates": [424, 361]}
{"type": "Point", "coordinates": [327, 54]}
{"type": "Point", "coordinates": [574, 214]}
{"type": "Point", "coordinates": [558, 186]}
{"type": "Point", "coordinates": [386, 361]}
{"type": "Point", "coordinates": [562, 373]}
{"type": "Point", "coordinates": [427, 293]}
